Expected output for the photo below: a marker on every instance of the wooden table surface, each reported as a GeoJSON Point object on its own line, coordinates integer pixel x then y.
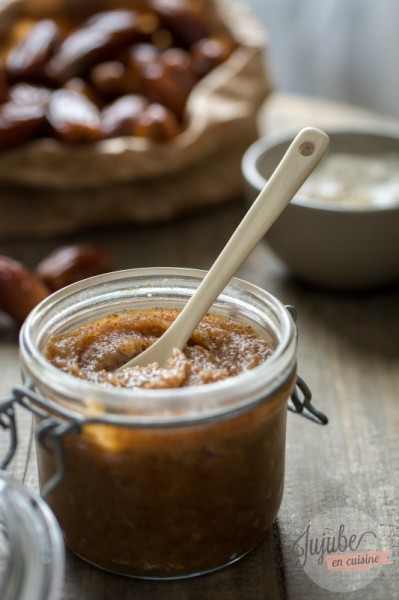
{"type": "Point", "coordinates": [349, 356]}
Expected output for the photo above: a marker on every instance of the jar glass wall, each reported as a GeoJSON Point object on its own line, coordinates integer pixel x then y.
{"type": "Point", "coordinates": [173, 482]}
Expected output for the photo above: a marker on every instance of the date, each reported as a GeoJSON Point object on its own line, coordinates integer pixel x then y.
{"type": "Point", "coordinates": [100, 36]}
{"type": "Point", "coordinates": [187, 21]}
{"type": "Point", "coordinates": [158, 123]}
{"type": "Point", "coordinates": [82, 87]}
{"type": "Point", "coordinates": [120, 118]}
{"type": "Point", "coordinates": [72, 263]}
{"type": "Point", "coordinates": [141, 55]}
{"type": "Point", "coordinates": [27, 59]}
{"type": "Point", "coordinates": [26, 94]}
{"type": "Point", "coordinates": [72, 117]}
{"type": "Point", "coordinates": [20, 123]}
{"type": "Point", "coordinates": [208, 53]}
{"type": "Point", "coordinates": [20, 289]}
{"type": "Point", "coordinates": [170, 80]}
{"type": "Point", "coordinates": [114, 78]}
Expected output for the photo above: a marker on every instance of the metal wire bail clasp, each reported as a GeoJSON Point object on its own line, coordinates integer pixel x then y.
{"type": "Point", "coordinates": [303, 405]}
{"type": "Point", "coordinates": [301, 398]}
{"type": "Point", "coordinates": [8, 422]}
{"type": "Point", "coordinates": [49, 431]}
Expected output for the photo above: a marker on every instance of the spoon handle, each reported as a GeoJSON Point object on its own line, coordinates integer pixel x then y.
{"type": "Point", "coordinates": [301, 158]}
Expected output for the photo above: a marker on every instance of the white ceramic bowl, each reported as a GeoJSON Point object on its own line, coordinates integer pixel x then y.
{"type": "Point", "coordinates": [331, 244]}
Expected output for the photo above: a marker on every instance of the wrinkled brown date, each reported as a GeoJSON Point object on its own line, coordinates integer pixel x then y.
{"type": "Point", "coordinates": [208, 53]}
{"type": "Point", "coordinates": [20, 289]}
{"type": "Point", "coordinates": [19, 123]}
{"type": "Point", "coordinates": [188, 21]}
{"type": "Point", "coordinates": [27, 94]}
{"type": "Point", "coordinates": [141, 55]}
{"type": "Point", "coordinates": [157, 123]}
{"type": "Point", "coordinates": [82, 87]}
{"type": "Point", "coordinates": [124, 76]}
{"type": "Point", "coordinates": [114, 78]}
{"type": "Point", "coordinates": [23, 117]}
{"type": "Point", "coordinates": [28, 58]}
{"type": "Point", "coordinates": [96, 39]}
{"type": "Point", "coordinates": [69, 264]}
{"type": "Point", "coordinates": [120, 118]}
{"type": "Point", "coordinates": [170, 80]}
{"type": "Point", "coordinates": [73, 118]}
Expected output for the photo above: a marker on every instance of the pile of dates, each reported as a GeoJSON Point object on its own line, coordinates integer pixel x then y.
{"type": "Point", "coordinates": [22, 288]}
{"type": "Point", "coordinates": [122, 72]}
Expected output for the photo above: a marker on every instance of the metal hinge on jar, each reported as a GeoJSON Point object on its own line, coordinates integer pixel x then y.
{"type": "Point", "coordinates": [303, 406]}
{"type": "Point", "coordinates": [49, 431]}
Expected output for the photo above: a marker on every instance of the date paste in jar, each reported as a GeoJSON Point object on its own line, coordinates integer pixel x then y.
{"type": "Point", "coordinates": [218, 348]}
{"type": "Point", "coordinates": [170, 499]}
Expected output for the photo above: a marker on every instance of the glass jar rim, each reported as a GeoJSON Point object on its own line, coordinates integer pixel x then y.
{"type": "Point", "coordinates": [166, 404]}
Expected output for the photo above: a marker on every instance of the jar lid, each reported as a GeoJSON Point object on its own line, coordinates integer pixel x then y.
{"type": "Point", "coordinates": [31, 545]}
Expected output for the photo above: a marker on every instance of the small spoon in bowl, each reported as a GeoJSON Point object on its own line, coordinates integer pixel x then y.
{"type": "Point", "coordinates": [302, 156]}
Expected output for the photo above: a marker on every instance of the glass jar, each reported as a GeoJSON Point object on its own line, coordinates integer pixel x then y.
{"type": "Point", "coordinates": [31, 546]}
{"type": "Point", "coordinates": [164, 483]}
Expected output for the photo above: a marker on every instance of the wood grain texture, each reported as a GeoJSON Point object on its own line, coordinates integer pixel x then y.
{"type": "Point", "coordinates": [348, 354]}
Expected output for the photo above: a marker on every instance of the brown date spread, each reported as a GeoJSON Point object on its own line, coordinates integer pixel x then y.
{"type": "Point", "coordinates": [219, 348]}
{"type": "Point", "coordinates": [175, 499]}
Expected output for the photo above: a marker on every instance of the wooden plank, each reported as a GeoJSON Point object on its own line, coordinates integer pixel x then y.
{"type": "Point", "coordinates": [258, 576]}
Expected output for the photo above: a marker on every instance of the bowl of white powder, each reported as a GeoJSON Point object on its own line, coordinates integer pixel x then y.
{"type": "Point", "coordinates": [341, 231]}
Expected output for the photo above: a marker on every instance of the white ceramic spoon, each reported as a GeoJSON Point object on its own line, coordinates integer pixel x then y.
{"type": "Point", "coordinates": [301, 158]}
